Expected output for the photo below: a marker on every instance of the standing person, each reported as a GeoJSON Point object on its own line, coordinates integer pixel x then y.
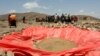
{"type": "Point", "coordinates": [55, 16]}
{"type": "Point", "coordinates": [12, 20]}
{"type": "Point", "coordinates": [57, 19]}
{"type": "Point", "coordinates": [9, 20]}
{"type": "Point", "coordinates": [63, 18]}
{"type": "Point", "coordinates": [74, 18]}
{"type": "Point", "coordinates": [69, 19]}
{"type": "Point", "coordinates": [24, 19]}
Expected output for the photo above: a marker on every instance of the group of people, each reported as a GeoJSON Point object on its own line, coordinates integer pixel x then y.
{"type": "Point", "coordinates": [50, 19]}
{"type": "Point", "coordinates": [57, 18]}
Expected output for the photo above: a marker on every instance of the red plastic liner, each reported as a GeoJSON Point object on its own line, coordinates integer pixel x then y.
{"type": "Point", "coordinates": [21, 43]}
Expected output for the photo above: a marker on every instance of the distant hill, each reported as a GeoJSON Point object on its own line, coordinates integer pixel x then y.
{"type": "Point", "coordinates": [33, 15]}
{"type": "Point", "coordinates": [89, 18]}
{"type": "Point", "coordinates": [28, 15]}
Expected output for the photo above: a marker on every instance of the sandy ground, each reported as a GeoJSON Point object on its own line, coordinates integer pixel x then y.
{"type": "Point", "coordinates": [4, 27]}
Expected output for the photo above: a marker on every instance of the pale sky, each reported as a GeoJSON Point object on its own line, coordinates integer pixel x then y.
{"type": "Point", "coordinates": [81, 7]}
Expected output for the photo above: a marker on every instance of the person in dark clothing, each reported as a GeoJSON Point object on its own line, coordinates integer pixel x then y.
{"type": "Point", "coordinates": [63, 18]}
{"type": "Point", "coordinates": [24, 19]}
{"type": "Point", "coordinates": [74, 18]}
{"type": "Point", "coordinates": [36, 19]}
{"type": "Point", "coordinates": [57, 19]}
{"type": "Point", "coordinates": [9, 19]}
{"type": "Point", "coordinates": [69, 19]}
